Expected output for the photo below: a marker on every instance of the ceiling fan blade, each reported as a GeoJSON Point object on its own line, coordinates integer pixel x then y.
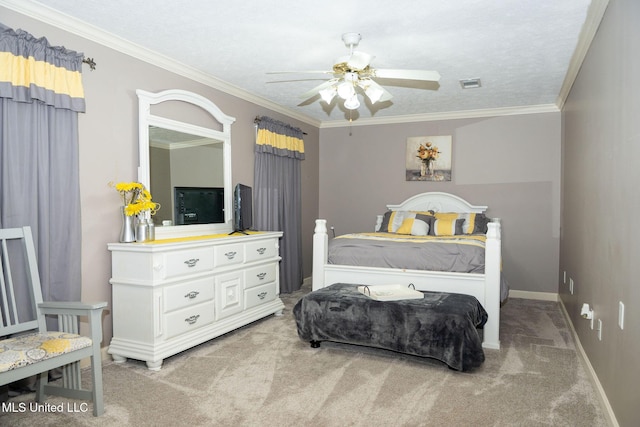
{"type": "Point", "coordinates": [317, 89]}
{"type": "Point", "coordinates": [301, 72]}
{"type": "Point", "coordinates": [359, 60]}
{"type": "Point", "coordinates": [408, 74]}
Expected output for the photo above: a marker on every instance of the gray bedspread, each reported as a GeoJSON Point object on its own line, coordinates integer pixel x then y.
{"type": "Point", "coordinates": [460, 254]}
{"type": "Point", "coordinates": [441, 326]}
{"type": "Point", "coordinates": [463, 254]}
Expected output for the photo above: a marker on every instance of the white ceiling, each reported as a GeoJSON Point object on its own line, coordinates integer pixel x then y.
{"type": "Point", "coordinates": [520, 49]}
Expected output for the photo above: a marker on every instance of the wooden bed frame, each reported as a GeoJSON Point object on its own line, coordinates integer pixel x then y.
{"type": "Point", "coordinates": [485, 287]}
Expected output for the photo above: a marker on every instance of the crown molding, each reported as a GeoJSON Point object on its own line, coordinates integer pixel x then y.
{"type": "Point", "coordinates": [72, 25]}
{"type": "Point", "coordinates": [595, 14]}
{"type": "Point", "coordinates": [75, 26]}
{"type": "Point", "coordinates": [450, 115]}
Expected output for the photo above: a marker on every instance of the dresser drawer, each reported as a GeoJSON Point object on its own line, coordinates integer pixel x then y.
{"type": "Point", "coordinates": [189, 319]}
{"type": "Point", "coordinates": [260, 275]}
{"type": "Point", "coordinates": [188, 261]}
{"type": "Point", "coordinates": [259, 295]}
{"type": "Point", "coordinates": [187, 294]}
{"type": "Point", "coordinates": [228, 254]}
{"type": "Point", "coordinates": [263, 249]}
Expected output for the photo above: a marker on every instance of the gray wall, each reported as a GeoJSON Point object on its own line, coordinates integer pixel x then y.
{"type": "Point", "coordinates": [599, 248]}
{"type": "Point", "coordinates": [511, 164]}
{"type": "Point", "coordinates": [109, 145]}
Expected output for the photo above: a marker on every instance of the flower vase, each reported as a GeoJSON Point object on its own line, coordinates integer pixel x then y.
{"type": "Point", "coordinates": [430, 168]}
{"type": "Point", "coordinates": [128, 231]}
{"type": "Point", "coordinates": [423, 168]}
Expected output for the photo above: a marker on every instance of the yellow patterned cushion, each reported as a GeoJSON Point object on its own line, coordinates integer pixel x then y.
{"type": "Point", "coordinates": [407, 222]}
{"type": "Point", "coordinates": [27, 349]}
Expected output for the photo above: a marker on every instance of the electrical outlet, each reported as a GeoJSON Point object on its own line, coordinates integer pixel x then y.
{"type": "Point", "coordinates": [571, 285]}
{"type": "Point", "coordinates": [621, 314]}
{"type": "Point", "coordinates": [600, 329]}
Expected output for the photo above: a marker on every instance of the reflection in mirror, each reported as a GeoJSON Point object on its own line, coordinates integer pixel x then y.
{"type": "Point", "coordinates": [187, 162]}
{"type": "Point", "coordinates": [196, 164]}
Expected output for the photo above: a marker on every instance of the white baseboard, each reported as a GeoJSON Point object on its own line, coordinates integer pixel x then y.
{"type": "Point", "coordinates": [542, 296]}
{"type": "Point", "coordinates": [608, 410]}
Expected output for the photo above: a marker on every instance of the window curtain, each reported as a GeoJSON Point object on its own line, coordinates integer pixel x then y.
{"type": "Point", "coordinates": [41, 95]}
{"type": "Point", "coordinates": [277, 196]}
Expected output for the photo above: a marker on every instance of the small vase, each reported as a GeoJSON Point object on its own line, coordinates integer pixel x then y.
{"type": "Point", "coordinates": [128, 231]}
{"type": "Point", "coordinates": [142, 230]}
{"type": "Point", "coordinates": [423, 168]}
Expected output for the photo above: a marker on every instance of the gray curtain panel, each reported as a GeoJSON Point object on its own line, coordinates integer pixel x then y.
{"type": "Point", "coordinates": [39, 167]}
{"type": "Point", "coordinates": [277, 196]}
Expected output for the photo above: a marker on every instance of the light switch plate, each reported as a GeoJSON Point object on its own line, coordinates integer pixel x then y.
{"type": "Point", "coordinates": [621, 315]}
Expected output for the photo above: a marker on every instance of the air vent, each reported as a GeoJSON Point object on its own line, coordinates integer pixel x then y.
{"type": "Point", "coordinates": [470, 83]}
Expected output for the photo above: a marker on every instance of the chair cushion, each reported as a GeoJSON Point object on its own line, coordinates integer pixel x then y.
{"type": "Point", "coordinates": [23, 350]}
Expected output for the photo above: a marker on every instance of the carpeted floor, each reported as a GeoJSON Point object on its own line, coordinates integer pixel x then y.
{"type": "Point", "coordinates": [264, 375]}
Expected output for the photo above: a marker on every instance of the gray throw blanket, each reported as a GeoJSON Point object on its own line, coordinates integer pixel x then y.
{"type": "Point", "coordinates": [442, 326]}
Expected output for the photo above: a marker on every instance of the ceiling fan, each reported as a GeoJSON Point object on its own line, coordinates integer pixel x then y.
{"type": "Point", "coordinates": [353, 74]}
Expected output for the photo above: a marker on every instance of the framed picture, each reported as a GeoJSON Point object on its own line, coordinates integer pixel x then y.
{"type": "Point", "coordinates": [429, 158]}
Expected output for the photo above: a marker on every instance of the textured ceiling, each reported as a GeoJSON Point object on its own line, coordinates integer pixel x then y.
{"type": "Point", "coordinates": [520, 49]}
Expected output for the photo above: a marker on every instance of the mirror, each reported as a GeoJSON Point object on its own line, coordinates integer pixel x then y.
{"type": "Point", "coordinates": [180, 149]}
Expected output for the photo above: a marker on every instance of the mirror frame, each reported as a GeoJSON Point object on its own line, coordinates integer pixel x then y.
{"type": "Point", "coordinates": [146, 119]}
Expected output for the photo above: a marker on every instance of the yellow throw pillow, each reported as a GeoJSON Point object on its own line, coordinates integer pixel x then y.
{"type": "Point", "coordinates": [414, 226]}
{"type": "Point", "coordinates": [448, 224]}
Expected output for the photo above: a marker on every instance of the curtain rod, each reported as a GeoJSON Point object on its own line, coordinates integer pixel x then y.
{"type": "Point", "coordinates": [258, 120]}
{"type": "Point", "coordinates": [90, 62]}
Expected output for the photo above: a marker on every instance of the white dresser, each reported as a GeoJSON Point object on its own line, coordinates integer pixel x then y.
{"type": "Point", "coordinates": [171, 295]}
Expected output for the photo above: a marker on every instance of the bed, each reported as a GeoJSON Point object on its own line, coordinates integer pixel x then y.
{"type": "Point", "coordinates": [481, 279]}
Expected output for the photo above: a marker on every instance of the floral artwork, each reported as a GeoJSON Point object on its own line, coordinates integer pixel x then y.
{"type": "Point", "coordinates": [428, 158]}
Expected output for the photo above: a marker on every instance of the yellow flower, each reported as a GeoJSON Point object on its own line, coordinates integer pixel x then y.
{"type": "Point", "coordinates": [136, 198]}
{"type": "Point", "coordinates": [125, 187]}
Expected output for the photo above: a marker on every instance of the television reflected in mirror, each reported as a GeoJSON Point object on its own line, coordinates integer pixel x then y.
{"type": "Point", "coordinates": [198, 205]}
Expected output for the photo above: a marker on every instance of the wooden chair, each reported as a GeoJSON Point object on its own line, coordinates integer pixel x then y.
{"type": "Point", "coordinates": [26, 347]}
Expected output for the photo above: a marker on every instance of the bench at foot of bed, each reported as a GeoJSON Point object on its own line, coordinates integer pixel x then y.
{"type": "Point", "coordinates": [441, 326]}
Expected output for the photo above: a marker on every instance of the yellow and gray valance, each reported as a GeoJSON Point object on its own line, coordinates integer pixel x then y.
{"type": "Point", "coordinates": [279, 138]}
{"type": "Point", "coordinates": [31, 69]}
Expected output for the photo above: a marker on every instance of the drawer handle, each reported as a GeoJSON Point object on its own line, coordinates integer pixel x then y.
{"type": "Point", "coordinates": [230, 255]}
{"type": "Point", "coordinates": [261, 295]}
{"type": "Point", "coordinates": [193, 319]}
{"type": "Point", "coordinates": [261, 251]}
{"type": "Point", "coordinates": [191, 262]}
{"type": "Point", "coordinates": [192, 294]}
{"type": "Point", "coordinates": [261, 276]}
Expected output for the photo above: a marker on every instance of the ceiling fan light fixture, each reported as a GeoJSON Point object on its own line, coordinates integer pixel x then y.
{"type": "Point", "coordinates": [328, 94]}
{"type": "Point", "coordinates": [352, 103]}
{"type": "Point", "coordinates": [353, 75]}
{"type": "Point", "coordinates": [374, 93]}
{"type": "Point", "coordinates": [346, 90]}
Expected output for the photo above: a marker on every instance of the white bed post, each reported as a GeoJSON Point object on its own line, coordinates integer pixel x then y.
{"type": "Point", "coordinates": [320, 250]}
{"type": "Point", "coordinates": [493, 262]}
